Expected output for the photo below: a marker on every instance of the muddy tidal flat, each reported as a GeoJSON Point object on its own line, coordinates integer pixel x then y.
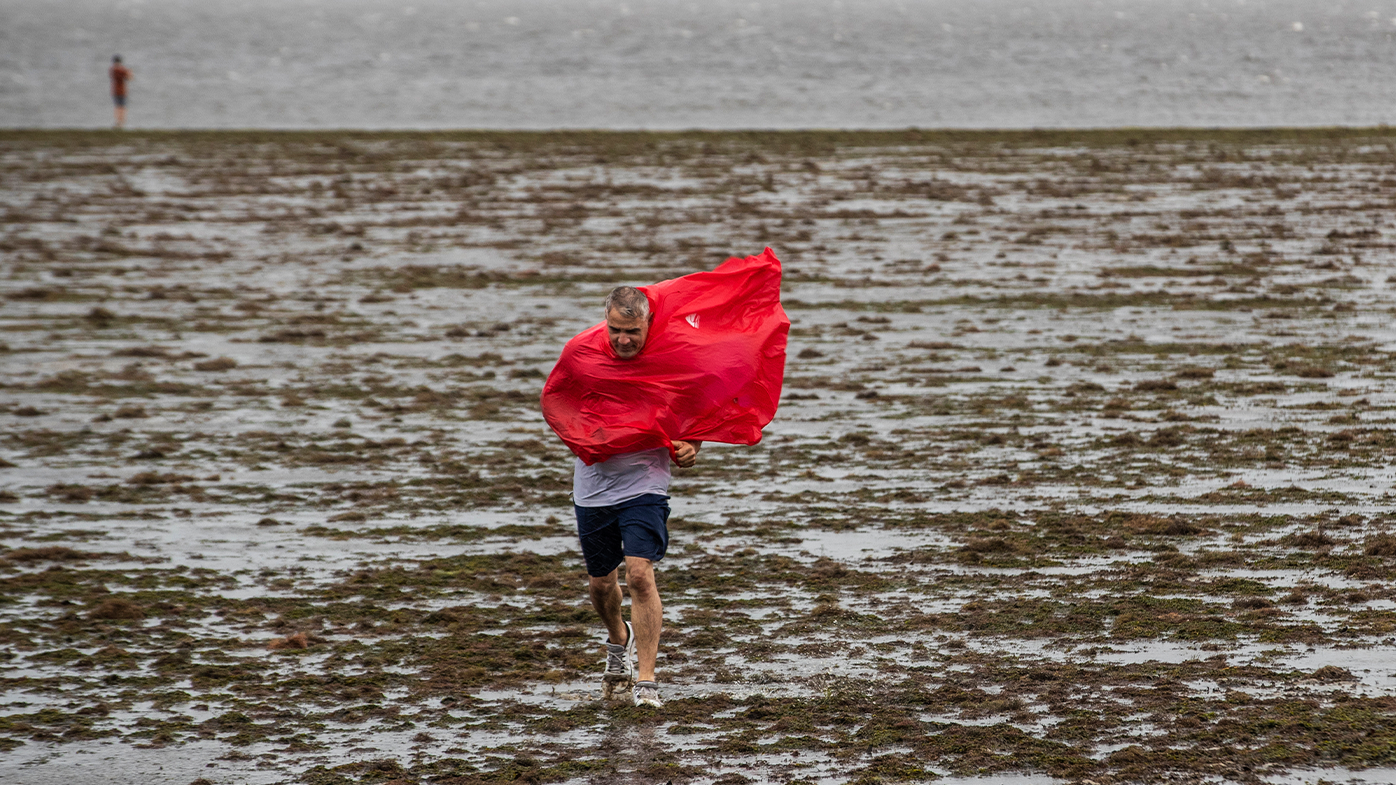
{"type": "Point", "coordinates": [1083, 470]}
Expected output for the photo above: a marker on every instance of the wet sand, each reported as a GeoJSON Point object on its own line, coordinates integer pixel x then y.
{"type": "Point", "coordinates": [1082, 471]}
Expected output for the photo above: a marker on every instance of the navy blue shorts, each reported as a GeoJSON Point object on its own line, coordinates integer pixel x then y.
{"type": "Point", "coordinates": [119, 100]}
{"type": "Point", "coordinates": [638, 527]}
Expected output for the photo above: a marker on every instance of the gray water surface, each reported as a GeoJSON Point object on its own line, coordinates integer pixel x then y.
{"type": "Point", "coordinates": [670, 64]}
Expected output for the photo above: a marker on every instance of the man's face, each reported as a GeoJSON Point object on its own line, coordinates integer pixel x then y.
{"type": "Point", "coordinates": [627, 333]}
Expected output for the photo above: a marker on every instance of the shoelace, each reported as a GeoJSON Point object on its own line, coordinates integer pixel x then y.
{"type": "Point", "coordinates": [615, 661]}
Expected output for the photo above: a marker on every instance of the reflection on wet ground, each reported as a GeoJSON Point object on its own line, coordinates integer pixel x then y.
{"type": "Point", "coordinates": [1082, 470]}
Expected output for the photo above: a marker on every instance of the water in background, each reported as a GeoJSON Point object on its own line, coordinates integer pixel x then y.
{"type": "Point", "coordinates": [700, 63]}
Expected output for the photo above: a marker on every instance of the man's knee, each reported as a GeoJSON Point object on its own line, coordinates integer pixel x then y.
{"type": "Point", "coordinates": [639, 577]}
{"type": "Point", "coordinates": [603, 584]}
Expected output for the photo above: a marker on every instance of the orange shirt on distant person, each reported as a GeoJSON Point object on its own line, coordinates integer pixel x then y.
{"type": "Point", "coordinates": [119, 75]}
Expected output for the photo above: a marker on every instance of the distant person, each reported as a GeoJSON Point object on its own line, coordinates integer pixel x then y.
{"type": "Point", "coordinates": [120, 74]}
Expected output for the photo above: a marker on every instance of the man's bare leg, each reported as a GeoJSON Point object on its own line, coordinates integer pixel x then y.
{"type": "Point", "coordinates": [120, 117]}
{"type": "Point", "coordinates": [620, 649]}
{"type": "Point", "coordinates": [646, 612]}
{"type": "Point", "coordinates": [606, 599]}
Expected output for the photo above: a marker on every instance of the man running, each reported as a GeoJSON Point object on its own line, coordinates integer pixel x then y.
{"type": "Point", "coordinates": [120, 74]}
{"type": "Point", "coordinates": [622, 507]}
{"type": "Point", "coordinates": [675, 364]}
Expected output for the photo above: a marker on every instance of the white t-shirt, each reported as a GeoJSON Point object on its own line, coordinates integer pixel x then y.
{"type": "Point", "coordinates": [621, 478]}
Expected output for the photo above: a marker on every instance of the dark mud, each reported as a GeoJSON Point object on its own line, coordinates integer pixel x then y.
{"type": "Point", "coordinates": [1083, 470]}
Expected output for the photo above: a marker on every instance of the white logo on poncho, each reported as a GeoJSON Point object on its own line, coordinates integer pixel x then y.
{"type": "Point", "coordinates": [692, 320]}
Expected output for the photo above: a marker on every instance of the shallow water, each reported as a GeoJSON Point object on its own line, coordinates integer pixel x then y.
{"type": "Point", "coordinates": [666, 64]}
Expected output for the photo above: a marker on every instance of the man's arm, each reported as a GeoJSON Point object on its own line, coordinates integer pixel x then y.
{"type": "Point", "coordinates": [686, 452]}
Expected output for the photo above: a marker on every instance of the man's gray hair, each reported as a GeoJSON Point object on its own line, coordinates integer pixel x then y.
{"type": "Point", "coordinates": [627, 301]}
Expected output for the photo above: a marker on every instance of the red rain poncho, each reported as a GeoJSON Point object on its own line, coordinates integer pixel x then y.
{"type": "Point", "coordinates": [711, 367]}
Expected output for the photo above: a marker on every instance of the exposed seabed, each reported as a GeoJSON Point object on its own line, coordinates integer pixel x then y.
{"type": "Point", "coordinates": [1083, 470]}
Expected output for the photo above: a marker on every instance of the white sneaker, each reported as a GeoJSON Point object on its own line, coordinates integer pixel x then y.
{"type": "Point", "coordinates": [620, 665]}
{"type": "Point", "coordinates": [647, 694]}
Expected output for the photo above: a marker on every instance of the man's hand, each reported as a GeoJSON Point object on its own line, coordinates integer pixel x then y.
{"type": "Point", "coordinates": [686, 453]}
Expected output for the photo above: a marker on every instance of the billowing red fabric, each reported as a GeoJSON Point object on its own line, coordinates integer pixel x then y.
{"type": "Point", "coordinates": [711, 368]}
